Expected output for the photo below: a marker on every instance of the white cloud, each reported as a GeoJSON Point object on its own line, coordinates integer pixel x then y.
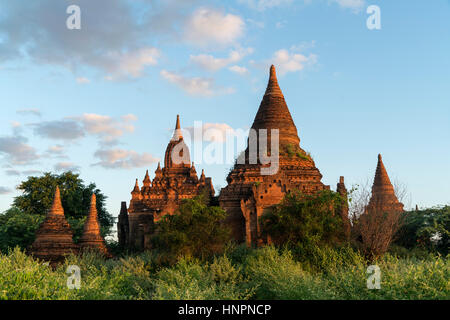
{"type": "Point", "coordinates": [130, 64]}
{"type": "Point", "coordinates": [66, 166]}
{"type": "Point", "coordinates": [32, 111]}
{"type": "Point", "coordinates": [211, 27]}
{"type": "Point", "coordinates": [239, 70]}
{"type": "Point", "coordinates": [16, 150]}
{"type": "Point", "coordinates": [105, 127]}
{"type": "Point", "coordinates": [59, 130]}
{"type": "Point", "coordinates": [356, 5]}
{"type": "Point", "coordinates": [195, 86]}
{"type": "Point", "coordinates": [286, 61]}
{"type": "Point", "coordinates": [123, 159]}
{"type": "Point", "coordinates": [5, 190]}
{"type": "Point", "coordinates": [210, 63]}
{"type": "Point", "coordinates": [83, 80]}
{"type": "Point", "coordinates": [215, 132]}
{"type": "Point", "coordinates": [262, 5]}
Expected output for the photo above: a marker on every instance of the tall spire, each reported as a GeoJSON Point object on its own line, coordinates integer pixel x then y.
{"type": "Point", "coordinates": [273, 113]}
{"type": "Point", "coordinates": [91, 238]}
{"type": "Point", "coordinates": [177, 135]}
{"type": "Point", "coordinates": [381, 181]}
{"type": "Point", "coordinates": [57, 208]}
{"type": "Point", "coordinates": [383, 194]}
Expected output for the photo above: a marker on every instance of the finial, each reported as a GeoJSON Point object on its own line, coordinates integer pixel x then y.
{"type": "Point", "coordinates": [379, 157]}
{"type": "Point", "coordinates": [341, 179]}
{"type": "Point", "coordinates": [177, 132]}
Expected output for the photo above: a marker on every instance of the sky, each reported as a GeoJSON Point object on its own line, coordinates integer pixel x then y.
{"type": "Point", "coordinates": [102, 100]}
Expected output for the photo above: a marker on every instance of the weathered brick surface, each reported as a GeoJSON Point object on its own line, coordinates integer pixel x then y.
{"type": "Point", "coordinates": [173, 183]}
{"type": "Point", "coordinates": [54, 236]}
{"type": "Point", "coordinates": [91, 238]}
{"type": "Point", "coordinates": [249, 194]}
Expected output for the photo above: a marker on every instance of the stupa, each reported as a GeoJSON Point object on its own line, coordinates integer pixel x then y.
{"type": "Point", "coordinates": [91, 238]}
{"type": "Point", "coordinates": [383, 195]}
{"type": "Point", "coordinates": [54, 236]}
{"type": "Point", "coordinates": [249, 193]}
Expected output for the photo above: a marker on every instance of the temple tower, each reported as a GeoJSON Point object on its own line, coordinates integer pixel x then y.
{"type": "Point", "coordinates": [250, 193]}
{"type": "Point", "coordinates": [383, 196]}
{"type": "Point", "coordinates": [173, 183]}
{"type": "Point", "coordinates": [54, 236]}
{"type": "Point", "coordinates": [91, 238]}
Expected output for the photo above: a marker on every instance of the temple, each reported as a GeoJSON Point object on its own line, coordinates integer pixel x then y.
{"type": "Point", "coordinates": [54, 236]}
{"type": "Point", "coordinates": [249, 193]}
{"type": "Point", "coordinates": [383, 196]}
{"type": "Point", "coordinates": [91, 238]}
{"type": "Point", "coordinates": [173, 183]}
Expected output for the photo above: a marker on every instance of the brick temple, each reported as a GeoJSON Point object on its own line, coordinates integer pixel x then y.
{"type": "Point", "coordinates": [91, 238]}
{"type": "Point", "coordinates": [173, 183]}
{"type": "Point", "coordinates": [54, 236]}
{"type": "Point", "coordinates": [383, 195]}
{"type": "Point", "coordinates": [249, 194]}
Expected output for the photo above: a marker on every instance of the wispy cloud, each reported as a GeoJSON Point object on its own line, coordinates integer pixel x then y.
{"type": "Point", "coordinates": [210, 63]}
{"type": "Point", "coordinates": [195, 86]}
{"type": "Point", "coordinates": [123, 159]}
{"type": "Point", "coordinates": [16, 150]}
{"type": "Point", "coordinates": [5, 190]}
{"type": "Point", "coordinates": [33, 111]}
{"type": "Point", "coordinates": [66, 166]}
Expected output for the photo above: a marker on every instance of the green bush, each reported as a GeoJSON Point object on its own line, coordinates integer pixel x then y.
{"type": "Point", "coordinates": [191, 280]}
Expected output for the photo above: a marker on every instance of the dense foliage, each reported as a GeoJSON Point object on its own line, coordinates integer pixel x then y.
{"type": "Point", "coordinates": [305, 219]}
{"type": "Point", "coordinates": [242, 273]}
{"type": "Point", "coordinates": [427, 229]}
{"type": "Point", "coordinates": [17, 228]}
{"type": "Point", "coordinates": [196, 230]}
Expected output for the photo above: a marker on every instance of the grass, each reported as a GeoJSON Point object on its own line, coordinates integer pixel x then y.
{"type": "Point", "coordinates": [241, 273]}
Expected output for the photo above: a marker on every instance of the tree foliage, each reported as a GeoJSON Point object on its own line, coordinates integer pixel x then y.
{"type": "Point", "coordinates": [195, 230]}
{"type": "Point", "coordinates": [38, 193]}
{"type": "Point", "coordinates": [428, 229]}
{"type": "Point", "coordinates": [302, 219]}
{"type": "Point", "coordinates": [17, 229]}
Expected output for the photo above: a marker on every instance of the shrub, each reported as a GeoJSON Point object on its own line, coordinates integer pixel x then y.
{"type": "Point", "coordinates": [305, 219]}
{"type": "Point", "coordinates": [190, 280]}
{"type": "Point", "coordinates": [196, 230]}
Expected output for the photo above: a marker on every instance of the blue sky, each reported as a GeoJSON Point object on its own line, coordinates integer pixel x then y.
{"type": "Point", "coordinates": [103, 100]}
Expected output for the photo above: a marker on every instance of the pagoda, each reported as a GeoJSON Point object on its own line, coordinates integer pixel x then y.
{"type": "Point", "coordinates": [54, 236]}
{"type": "Point", "coordinates": [173, 183]}
{"type": "Point", "coordinates": [383, 196]}
{"type": "Point", "coordinates": [249, 193]}
{"type": "Point", "coordinates": [91, 238]}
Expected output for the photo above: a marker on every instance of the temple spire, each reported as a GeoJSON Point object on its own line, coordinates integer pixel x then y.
{"type": "Point", "coordinates": [147, 181]}
{"type": "Point", "coordinates": [57, 208]}
{"type": "Point", "coordinates": [273, 113]}
{"type": "Point", "coordinates": [383, 195]}
{"type": "Point", "coordinates": [381, 177]}
{"type": "Point", "coordinates": [177, 135]}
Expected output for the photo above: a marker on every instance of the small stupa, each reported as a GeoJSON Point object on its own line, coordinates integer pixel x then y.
{"type": "Point", "coordinates": [91, 238]}
{"type": "Point", "coordinates": [54, 237]}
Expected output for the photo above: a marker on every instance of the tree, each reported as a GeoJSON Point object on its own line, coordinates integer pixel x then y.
{"type": "Point", "coordinates": [38, 193]}
{"type": "Point", "coordinates": [17, 229]}
{"type": "Point", "coordinates": [428, 229]}
{"type": "Point", "coordinates": [305, 219]}
{"type": "Point", "coordinates": [195, 230]}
